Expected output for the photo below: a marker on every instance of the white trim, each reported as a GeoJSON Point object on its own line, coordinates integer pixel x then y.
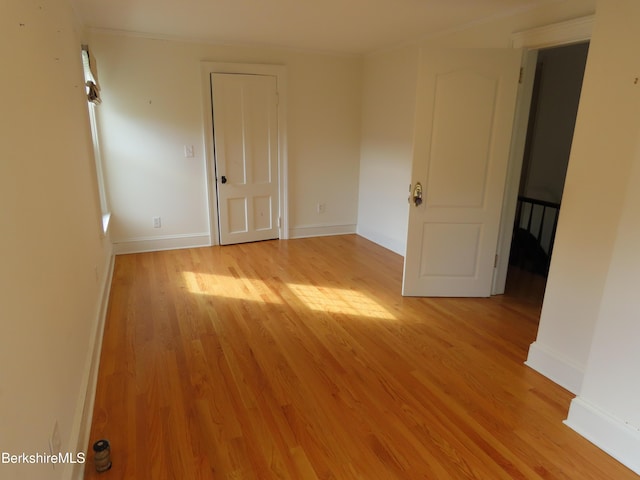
{"type": "Point", "coordinates": [81, 429]}
{"type": "Point", "coordinates": [555, 35]}
{"type": "Point", "coordinates": [555, 367]}
{"type": "Point", "coordinates": [207, 137]}
{"type": "Point", "coordinates": [278, 71]}
{"type": "Point", "coordinates": [606, 432]}
{"type": "Point", "coordinates": [308, 231]}
{"type": "Point", "coordinates": [161, 242]}
{"type": "Point", "coordinates": [563, 33]}
{"type": "Point", "coordinates": [514, 169]}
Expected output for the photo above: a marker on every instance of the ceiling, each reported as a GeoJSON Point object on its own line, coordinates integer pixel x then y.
{"type": "Point", "coordinates": [340, 26]}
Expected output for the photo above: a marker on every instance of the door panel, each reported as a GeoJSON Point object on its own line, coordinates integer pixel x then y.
{"type": "Point", "coordinates": [464, 116]}
{"type": "Point", "coordinates": [262, 210]}
{"type": "Point", "coordinates": [454, 247]}
{"type": "Point", "coordinates": [236, 213]}
{"type": "Point", "coordinates": [246, 156]}
{"type": "Point", "coordinates": [458, 166]}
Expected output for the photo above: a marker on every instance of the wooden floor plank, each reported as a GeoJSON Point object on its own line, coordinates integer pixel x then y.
{"type": "Point", "coordinates": [300, 360]}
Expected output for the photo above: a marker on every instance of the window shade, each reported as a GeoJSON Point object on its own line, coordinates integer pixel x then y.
{"type": "Point", "coordinates": [90, 78]}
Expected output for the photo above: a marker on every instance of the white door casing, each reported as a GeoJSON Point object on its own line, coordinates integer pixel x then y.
{"type": "Point", "coordinates": [245, 125]}
{"type": "Point", "coordinates": [464, 117]}
{"type": "Point", "coordinates": [530, 41]}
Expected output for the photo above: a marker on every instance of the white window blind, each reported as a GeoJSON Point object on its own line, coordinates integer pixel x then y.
{"type": "Point", "coordinates": [90, 78]}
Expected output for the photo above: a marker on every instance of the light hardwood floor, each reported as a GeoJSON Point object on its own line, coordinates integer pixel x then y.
{"type": "Point", "coordinates": [300, 360]}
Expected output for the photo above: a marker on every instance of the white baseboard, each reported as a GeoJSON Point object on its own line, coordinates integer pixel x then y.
{"type": "Point", "coordinates": [606, 432]}
{"type": "Point", "coordinates": [321, 231]}
{"type": "Point", "coordinates": [164, 242]}
{"type": "Point", "coordinates": [555, 367]}
{"type": "Point", "coordinates": [389, 243]}
{"type": "Point", "coordinates": [84, 409]}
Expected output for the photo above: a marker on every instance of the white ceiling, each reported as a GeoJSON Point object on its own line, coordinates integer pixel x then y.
{"type": "Point", "coordinates": [347, 26]}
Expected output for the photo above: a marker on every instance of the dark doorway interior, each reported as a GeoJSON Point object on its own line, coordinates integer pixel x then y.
{"type": "Point", "coordinates": [554, 107]}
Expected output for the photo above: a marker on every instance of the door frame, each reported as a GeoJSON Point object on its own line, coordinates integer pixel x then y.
{"type": "Point", "coordinates": [531, 41]}
{"type": "Point", "coordinates": [278, 71]}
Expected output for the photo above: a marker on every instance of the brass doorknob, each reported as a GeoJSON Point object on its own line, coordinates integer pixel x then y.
{"type": "Point", "coordinates": [417, 194]}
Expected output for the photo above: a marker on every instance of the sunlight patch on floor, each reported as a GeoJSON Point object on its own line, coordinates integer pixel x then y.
{"type": "Point", "coordinates": [253, 290]}
{"type": "Point", "coordinates": [339, 300]}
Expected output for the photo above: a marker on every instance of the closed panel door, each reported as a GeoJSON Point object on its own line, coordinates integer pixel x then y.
{"type": "Point", "coordinates": [464, 117]}
{"type": "Point", "coordinates": [246, 156]}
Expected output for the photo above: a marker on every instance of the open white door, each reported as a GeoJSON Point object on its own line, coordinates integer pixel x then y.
{"type": "Point", "coordinates": [464, 117]}
{"type": "Point", "coordinates": [245, 124]}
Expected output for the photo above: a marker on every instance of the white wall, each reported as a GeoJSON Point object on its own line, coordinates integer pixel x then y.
{"type": "Point", "coordinates": [153, 106]}
{"type": "Point", "coordinates": [325, 96]}
{"type": "Point", "coordinates": [605, 170]}
{"type": "Point", "coordinates": [54, 257]}
{"type": "Point", "coordinates": [599, 166]}
{"type": "Point", "coordinates": [388, 112]}
{"type": "Point", "coordinates": [607, 411]}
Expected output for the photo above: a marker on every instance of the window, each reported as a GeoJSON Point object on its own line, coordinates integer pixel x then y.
{"type": "Point", "coordinates": [93, 98]}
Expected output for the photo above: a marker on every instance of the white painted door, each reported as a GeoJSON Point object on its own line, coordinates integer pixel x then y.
{"type": "Point", "coordinates": [464, 116]}
{"type": "Point", "coordinates": [245, 125]}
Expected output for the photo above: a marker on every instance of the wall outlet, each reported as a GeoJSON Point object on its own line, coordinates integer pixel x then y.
{"type": "Point", "coordinates": [321, 207]}
{"type": "Point", "coordinates": [188, 151]}
{"type": "Point", "coordinates": [157, 222]}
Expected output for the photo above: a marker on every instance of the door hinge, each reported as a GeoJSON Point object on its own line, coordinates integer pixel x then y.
{"type": "Point", "coordinates": [279, 222]}
{"type": "Point", "coordinates": [495, 261]}
{"type": "Point", "coordinates": [277, 98]}
{"type": "Point", "coordinates": [521, 75]}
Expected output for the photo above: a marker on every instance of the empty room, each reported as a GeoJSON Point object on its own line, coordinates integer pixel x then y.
{"type": "Point", "coordinates": [241, 241]}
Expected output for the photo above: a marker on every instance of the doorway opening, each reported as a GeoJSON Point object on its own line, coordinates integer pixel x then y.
{"type": "Point", "coordinates": [552, 116]}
